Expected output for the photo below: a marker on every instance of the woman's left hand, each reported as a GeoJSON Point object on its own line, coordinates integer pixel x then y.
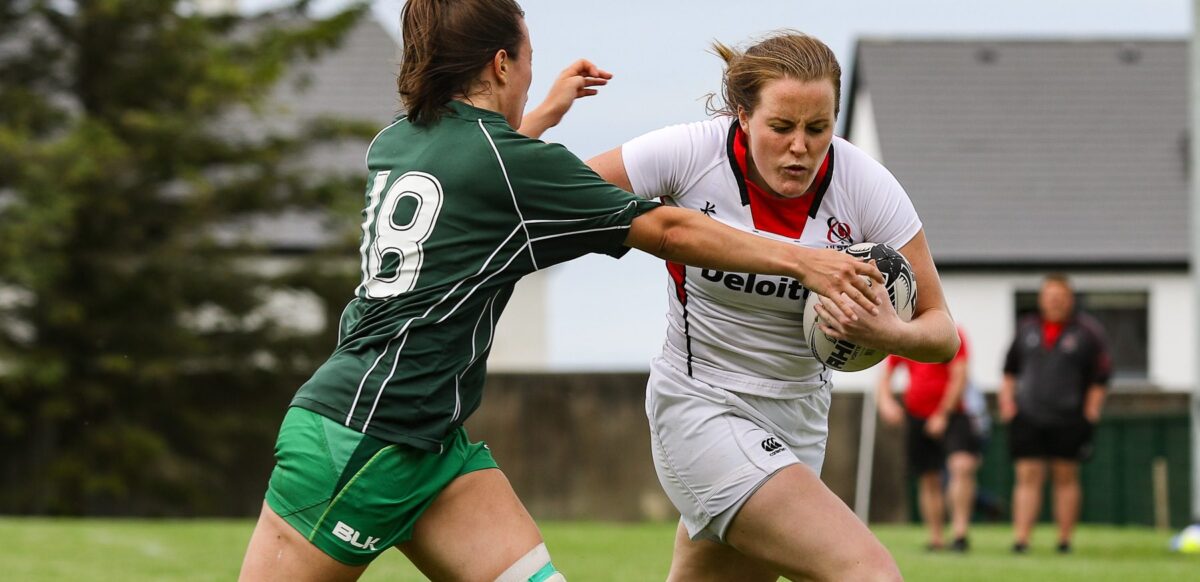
{"type": "Point", "coordinates": [578, 80]}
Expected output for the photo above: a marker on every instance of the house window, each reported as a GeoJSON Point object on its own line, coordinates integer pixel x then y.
{"type": "Point", "coordinates": [1124, 315]}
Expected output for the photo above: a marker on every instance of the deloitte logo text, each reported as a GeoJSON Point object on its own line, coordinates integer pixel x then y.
{"type": "Point", "coordinates": [754, 284]}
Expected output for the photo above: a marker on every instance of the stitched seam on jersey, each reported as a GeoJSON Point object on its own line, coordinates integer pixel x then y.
{"type": "Point", "coordinates": [485, 280]}
{"type": "Point", "coordinates": [367, 156]}
{"type": "Point", "coordinates": [561, 234]}
{"type": "Point", "coordinates": [354, 405]}
{"type": "Point", "coordinates": [457, 402]}
{"type": "Point", "coordinates": [508, 182]}
{"type": "Point", "coordinates": [475, 333]}
{"type": "Point", "coordinates": [488, 307]}
{"type": "Point", "coordinates": [383, 386]}
{"type": "Point", "coordinates": [342, 317]}
{"type": "Point", "coordinates": [357, 395]}
{"type": "Point", "coordinates": [544, 220]}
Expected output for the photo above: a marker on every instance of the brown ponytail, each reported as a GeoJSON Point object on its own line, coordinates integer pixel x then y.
{"type": "Point", "coordinates": [445, 44]}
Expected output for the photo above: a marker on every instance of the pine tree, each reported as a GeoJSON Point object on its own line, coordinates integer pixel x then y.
{"type": "Point", "coordinates": [138, 368]}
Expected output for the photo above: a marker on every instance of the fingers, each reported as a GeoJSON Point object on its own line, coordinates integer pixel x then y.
{"type": "Point", "coordinates": [584, 68]}
{"type": "Point", "coordinates": [594, 81]}
{"type": "Point", "coordinates": [835, 315]}
{"type": "Point", "coordinates": [868, 269]}
{"type": "Point", "coordinates": [862, 284]}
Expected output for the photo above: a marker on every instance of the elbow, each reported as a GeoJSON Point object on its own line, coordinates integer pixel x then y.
{"type": "Point", "coordinates": [660, 232]}
{"type": "Point", "coordinates": [950, 349]}
{"type": "Point", "coordinates": [670, 240]}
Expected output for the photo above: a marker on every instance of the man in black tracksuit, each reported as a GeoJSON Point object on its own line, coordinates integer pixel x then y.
{"type": "Point", "coordinates": [1055, 379]}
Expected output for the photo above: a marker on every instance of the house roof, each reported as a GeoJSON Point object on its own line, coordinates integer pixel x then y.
{"type": "Point", "coordinates": [1029, 152]}
{"type": "Point", "coordinates": [354, 81]}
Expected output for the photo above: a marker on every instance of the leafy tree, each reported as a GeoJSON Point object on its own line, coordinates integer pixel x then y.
{"type": "Point", "coordinates": [138, 371]}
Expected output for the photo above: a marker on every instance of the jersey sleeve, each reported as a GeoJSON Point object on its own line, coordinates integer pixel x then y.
{"type": "Point", "coordinates": [664, 162]}
{"type": "Point", "coordinates": [566, 209]}
{"type": "Point", "coordinates": [888, 215]}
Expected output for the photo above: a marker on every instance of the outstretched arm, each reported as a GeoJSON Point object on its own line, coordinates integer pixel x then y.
{"type": "Point", "coordinates": [691, 238]}
{"type": "Point", "coordinates": [575, 82]}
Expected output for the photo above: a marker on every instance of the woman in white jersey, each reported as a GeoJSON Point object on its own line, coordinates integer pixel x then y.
{"type": "Point", "coordinates": [372, 453]}
{"type": "Point", "coordinates": [738, 408]}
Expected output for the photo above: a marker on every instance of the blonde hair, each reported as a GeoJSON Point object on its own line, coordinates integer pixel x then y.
{"type": "Point", "coordinates": [783, 54]}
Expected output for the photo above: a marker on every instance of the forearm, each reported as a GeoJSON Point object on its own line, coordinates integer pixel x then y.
{"type": "Point", "coordinates": [929, 337]}
{"type": "Point", "coordinates": [689, 237]}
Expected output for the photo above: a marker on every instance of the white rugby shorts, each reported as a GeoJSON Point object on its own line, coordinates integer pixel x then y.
{"type": "Point", "coordinates": [713, 447]}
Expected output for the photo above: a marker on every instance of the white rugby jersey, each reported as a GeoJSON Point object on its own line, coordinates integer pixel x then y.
{"type": "Point", "coordinates": [742, 331]}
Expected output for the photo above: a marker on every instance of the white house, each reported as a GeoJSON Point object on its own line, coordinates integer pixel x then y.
{"type": "Point", "coordinates": [1025, 157]}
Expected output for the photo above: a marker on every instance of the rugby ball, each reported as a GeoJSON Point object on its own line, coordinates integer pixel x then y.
{"type": "Point", "coordinates": [901, 289]}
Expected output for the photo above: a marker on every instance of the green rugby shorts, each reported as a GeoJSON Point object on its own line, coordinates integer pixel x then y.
{"type": "Point", "coordinates": [353, 495]}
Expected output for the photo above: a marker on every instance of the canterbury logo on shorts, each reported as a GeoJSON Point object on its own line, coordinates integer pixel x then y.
{"type": "Point", "coordinates": [771, 445]}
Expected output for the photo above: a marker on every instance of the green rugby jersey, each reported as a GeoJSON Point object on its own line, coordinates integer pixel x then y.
{"type": "Point", "coordinates": [456, 212]}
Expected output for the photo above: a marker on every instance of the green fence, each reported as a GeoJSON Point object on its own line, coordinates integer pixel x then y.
{"type": "Point", "coordinates": [1118, 481]}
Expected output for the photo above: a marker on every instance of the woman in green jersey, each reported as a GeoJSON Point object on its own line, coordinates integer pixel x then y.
{"type": "Point", "coordinates": [462, 200]}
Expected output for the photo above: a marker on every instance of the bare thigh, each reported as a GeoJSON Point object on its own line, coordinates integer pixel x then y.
{"type": "Point", "coordinates": [278, 552]}
{"type": "Point", "coordinates": [796, 526]}
{"type": "Point", "coordinates": [708, 560]}
{"type": "Point", "coordinates": [474, 530]}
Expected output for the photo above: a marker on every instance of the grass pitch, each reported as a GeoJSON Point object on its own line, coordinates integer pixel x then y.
{"type": "Point", "coordinates": [36, 550]}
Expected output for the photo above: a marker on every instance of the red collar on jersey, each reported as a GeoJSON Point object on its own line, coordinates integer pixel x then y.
{"type": "Point", "coordinates": [785, 216]}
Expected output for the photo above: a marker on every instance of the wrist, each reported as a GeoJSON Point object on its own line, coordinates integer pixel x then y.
{"type": "Point", "coordinates": [535, 123]}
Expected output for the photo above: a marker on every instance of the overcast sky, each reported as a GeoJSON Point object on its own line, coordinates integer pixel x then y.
{"type": "Point", "coordinates": [657, 51]}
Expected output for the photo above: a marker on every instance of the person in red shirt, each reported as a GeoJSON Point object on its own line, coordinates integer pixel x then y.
{"type": "Point", "coordinates": [940, 435]}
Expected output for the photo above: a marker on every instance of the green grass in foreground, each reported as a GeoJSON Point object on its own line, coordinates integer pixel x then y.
{"type": "Point", "coordinates": [35, 550]}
